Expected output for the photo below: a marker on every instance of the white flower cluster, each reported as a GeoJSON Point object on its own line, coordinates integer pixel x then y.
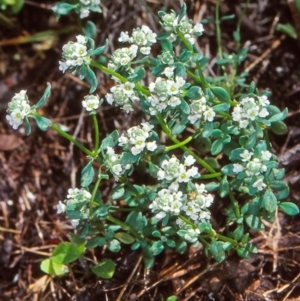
{"type": "Point", "coordinates": [190, 234]}
{"type": "Point", "coordinates": [136, 139]}
{"type": "Point", "coordinates": [167, 201]}
{"type": "Point", "coordinates": [193, 205]}
{"type": "Point", "coordinates": [123, 57]}
{"type": "Point", "coordinates": [173, 170]}
{"type": "Point", "coordinates": [18, 109]}
{"type": "Point", "coordinates": [123, 95]}
{"type": "Point", "coordinates": [74, 54]}
{"type": "Point", "coordinates": [113, 163]}
{"type": "Point", "coordinates": [198, 201]}
{"type": "Point", "coordinates": [170, 23]}
{"type": "Point", "coordinates": [201, 111]}
{"type": "Point", "coordinates": [87, 6]}
{"type": "Point", "coordinates": [142, 37]}
{"type": "Point", "coordinates": [75, 196]}
{"type": "Point", "coordinates": [91, 102]}
{"type": "Point", "coordinates": [165, 92]}
{"type": "Point", "coordinates": [253, 167]}
{"type": "Point", "coordinates": [249, 109]}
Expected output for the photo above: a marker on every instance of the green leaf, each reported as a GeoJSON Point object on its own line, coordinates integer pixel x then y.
{"type": "Point", "coordinates": [125, 238]}
{"type": "Point", "coordinates": [114, 245]}
{"type": "Point", "coordinates": [279, 128]}
{"type": "Point", "coordinates": [228, 170]}
{"type": "Point", "coordinates": [269, 201]}
{"type": "Point", "coordinates": [62, 8]}
{"type": "Point", "coordinates": [137, 75]}
{"type": "Point", "coordinates": [217, 251]}
{"type": "Point", "coordinates": [237, 36]}
{"type": "Point", "coordinates": [287, 29]}
{"type": "Point", "coordinates": [44, 98]}
{"type": "Point", "coordinates": [27, 127]}
{"type": "Point", "coordinates": [102, 212]}
{"type": "Point", "coordinates": [238, 232]}
{"type": "Point", "coordinates": [42, 122]}
{"type": "Point", "coordinates": [153, 169]}
{"type": "Point", "coordinates": [228, 17]}
{"type": "Point", "coordinates": [105, 269]}
{"type": "Point", "coordinates": [95, 242]}
{"type": "Point", "coordinates": [111, 140]}
{"type": "Point", "coordinates": [289, 208]}
{"type": "Point", "coordinates": [91, 79]}
{"type": "Point", "coordinates": [172, 298]}
{"type": "Point", "coordinates": [90, 29]}
{"type": "Point", "coordinates": [157, 247]}
{"type": "Point", "coordinates": [65, 253]}
{"type": "Point", "coordinates": [178, 129]}
{"type": "Point", "coordinates": [193, 92]}
{"type": "Point", "coordinates": [212, 186]}
{"type": "Point", "coordinates": [254, 222]}
{"type": "Point", "coordinates": [185, 108]}
{"type": "Point", "coordinates": [220, 93]}
{"type": "Point", "coordinates": [224, 187]}
{"type": "Point", "coordinates": [213, 162]}
{"type": "Point", "coordinates": [166, 45]}
{"type": "Point", "coordinates": [185, 55]}
{"type": "Point", "coordinates": [118, 192]}
{"type": "Point", "coordinates": [99, 50]}
{"type": "Point", "coordinates": [53, 268]}
{"type": "Point", "coordinates": [222, 107]}
{"type": "Point", "coordinates": [182, 12]}
{"type": "Point", "coordinates": [129, 158]}
{"type": "Point", "coordinates": [280, 116]}
{"type": "Point", "coordinates": [216, 147]}
{"type": "Point", "coordinates": [236, 154]}
{"type": "Point", "coordinates": [278, 185]}
{"type": "Point", "coordinates": [87, 175]}
{"type": "Point", "coordinates": [207, 130]}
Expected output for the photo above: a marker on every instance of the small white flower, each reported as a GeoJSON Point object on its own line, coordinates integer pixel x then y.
{"type": "Point", "coordinates": [266, 155]}
{"type": "Point", "coordinates": [174, 101]}
{"type": "Point", "coordinates": [198, 28]}
{"type": "Point", "coordinates": [124, 37]}
{"type": "Point", "coordinates": [189, 160]}
{"type": "Point", "coordinates": [246, 155]}
{"type": "Point", "coordinates": [259, 185]}
{"type": "Point", "coordinates": [81, 39]}
{"type": "Point", "coordinates": [169, 71]}
{"type": "Point", "coordinates": [75, 222]}
{"type": "Point", "coordinates": [91, 102]}
{"type": "Point", "coordinates": [237, 168]}
{"type": "Point", "coordinates": [145, 50]}
{"type": "Point", "coordinates": [151, 146]}
{"type": "Point", "coordinates": [84, 12]}
{"type": "Point", "coordinates": [61, 207]}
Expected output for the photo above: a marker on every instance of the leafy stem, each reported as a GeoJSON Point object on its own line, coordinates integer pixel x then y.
{"type": "Point", "coordinates": [96, 128]}
{"type": "Point", "coordinates": [56, 128]}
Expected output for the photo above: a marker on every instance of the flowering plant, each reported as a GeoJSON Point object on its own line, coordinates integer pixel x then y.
{"type": "Point", "coordinates": [228, 154]}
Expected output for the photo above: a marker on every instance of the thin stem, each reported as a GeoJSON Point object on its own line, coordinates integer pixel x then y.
{"type": "Point", "coordinates": [238, 27]}
{"type": "Point", "coordinates": [211, 176]}
{"type": "Point", "coordinates": [190, 48]}
{"type": "Point", "coordinates": [178, 145]}
{"type": "Point", "coordinates": [95, 190]}
{"type": "Point", "coordinates": [125, 227]}
{"type": "Point", "coordinates": [183, 147]}
{"type": "Point", "coordinates": [56, 128]}
{"type": "Point", "coordinates": [96, 128]}
{"type": "Point", "coordinates": [123, 79]}
{"type": "Point", "coordinates": [218, 29]}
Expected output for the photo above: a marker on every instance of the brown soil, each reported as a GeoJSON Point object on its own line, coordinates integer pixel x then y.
{"type": "Point", "coordinates": [36, 171]}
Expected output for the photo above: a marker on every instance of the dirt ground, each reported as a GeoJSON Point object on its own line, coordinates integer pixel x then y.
{"type": "Point", "coordinates": [36, 171]}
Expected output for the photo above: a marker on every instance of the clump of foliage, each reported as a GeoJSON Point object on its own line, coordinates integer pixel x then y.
{"type": "Point", "coordinates": [229, 121]}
